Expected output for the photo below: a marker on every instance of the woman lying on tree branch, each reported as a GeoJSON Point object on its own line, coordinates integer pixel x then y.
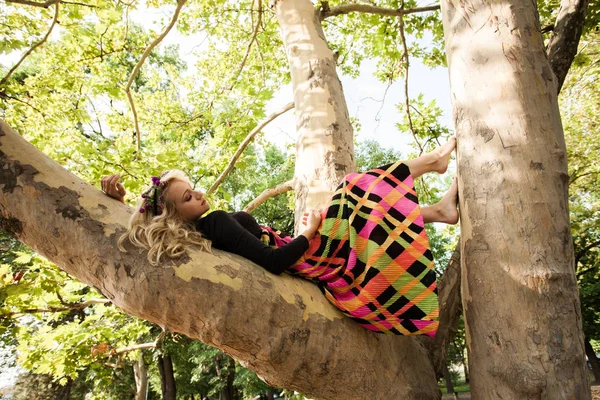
{"type": "Point", "coordinates": [368, 250]}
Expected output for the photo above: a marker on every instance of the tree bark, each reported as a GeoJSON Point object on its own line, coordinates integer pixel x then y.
{"type": "Point", "coordinates": [325, 148]}
{"type": "Point", "coordinates": [447, 379]}
{"type": "Point", "coordinates": [563, 44]}
{"type": "Point", "coordinates": [140, 373]}
{"type": "Point", "coordinates": [228, 391]}
{"type": "Point", "coordinates": [450, 310]}
{"type": "Point", "coordinates": [167, 379]}
{"type": "Point", "coordinates": [519, 293]}
{"type": "Point", "coordinates": [77, 227]}
{"type": "Point", "coordinates": [594, 362]}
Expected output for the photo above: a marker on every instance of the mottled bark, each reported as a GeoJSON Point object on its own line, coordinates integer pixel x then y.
{"type": "Point", "coordinates": [281, 327]}
{"type": "Point", "coordinates": [519, 293]}
{"type": "Point", "coordinates": [563, 44]}
{"type": "Point", "coordinates": [325, 148]}
{"type": "Point", "coordinates": [450, 311]}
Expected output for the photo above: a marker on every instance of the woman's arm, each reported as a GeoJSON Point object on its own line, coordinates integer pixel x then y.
{"type": "Point", "coordinates": [227, 234]}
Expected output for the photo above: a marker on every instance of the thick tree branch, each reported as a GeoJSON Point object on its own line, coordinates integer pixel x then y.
{"type": "Point", "coordinates": [35, 46]}
{"type": "Point", "coordinates": [327, 12]}
{"type": "Point", "coordinates": [564, 41]}
{"type": "Point", "coordinates": [268, 193]}
{"type": "Point", "coordinates": [258, 22]}
{"type": "Point", "coordinates": [286, 321]}
{"type": "Point", "coordinates": [136, 69]}
{"type": "Point", "coordinates": [245, 143]}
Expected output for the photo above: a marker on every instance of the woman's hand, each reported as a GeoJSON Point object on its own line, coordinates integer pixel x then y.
{"type": "Point", "coordinates": [113, 188]}
{"type": "Point", "coordinates": [312, 220]}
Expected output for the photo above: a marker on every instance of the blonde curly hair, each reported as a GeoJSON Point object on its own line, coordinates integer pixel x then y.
{"type": "Point", "coordinates": [166, 233]}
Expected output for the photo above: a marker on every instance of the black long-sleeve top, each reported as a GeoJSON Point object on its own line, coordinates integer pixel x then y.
{"type": "Point", "coordinates": [239, 233]}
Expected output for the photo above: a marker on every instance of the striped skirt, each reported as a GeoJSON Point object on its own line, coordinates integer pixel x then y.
{"type": "Point", "coordinates": [371, 257]}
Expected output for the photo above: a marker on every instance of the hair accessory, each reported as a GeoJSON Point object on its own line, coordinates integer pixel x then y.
{"type": "Point", "coordinates": [154, 200]}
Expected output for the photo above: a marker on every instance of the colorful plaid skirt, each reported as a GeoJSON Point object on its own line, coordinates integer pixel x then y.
{"type": "Point", "coordinates": [371, 257]}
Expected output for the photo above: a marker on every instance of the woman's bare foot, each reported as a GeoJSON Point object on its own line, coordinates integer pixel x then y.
{"type": "Point", "coordinates": [443, 154]}
{"type": "Point", "coordinates": [448, 213]}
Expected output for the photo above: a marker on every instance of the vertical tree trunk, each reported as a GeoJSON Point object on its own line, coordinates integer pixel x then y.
{"type": "Point", "coordinates": [270, 394]}
{"type": "Point", "coordinates": [465, 368]}
{"type": "Point", "coordinates": [448, 379]}
{"type": "Point", "coordinates": [167, 380]}
{"type": "Point", "coordinates": [228, 391]}
{"type": "Point", "coordinates": [140, 372]}
{"type": "Point", "coordinates": [519, 293]}
{"type": "Point", "coordinates": [594, 362]}
{"type": "Point", "coordinates": [325, 148]}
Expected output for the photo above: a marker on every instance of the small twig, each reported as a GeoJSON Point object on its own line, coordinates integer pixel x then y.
{"type": "Point", "coordinates": [152, 345]}
{"type": "Point", "coordinates": [237, 75]}
{"type": "Point", "coordinates": [38, 44]}
{"type": "Point", "coordinates": [245, 143]}
{"type": "Point", "coordinates": [3, 95]}
{"type": "Point", "coordinates": [180, 4]}
{"type": "Point", "coordinates": [406, 62]}
{"type": "Point", "coordinates": [268, 193]}
{"type": "Point", "coordinates": [548, 28]}
{"type": "Point", "coordinates": [326, 12]}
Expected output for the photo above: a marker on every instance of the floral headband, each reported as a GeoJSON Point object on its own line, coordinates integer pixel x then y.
{"type": "Point", "coordinates": [153, 197]}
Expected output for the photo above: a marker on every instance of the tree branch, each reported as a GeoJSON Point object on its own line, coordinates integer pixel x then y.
{"type": "Point", "coordinates": [326, 12]}
{"type": "Point", "coordinates": [564, 41]}
{"type": "Point", "coordinates": [249, 45]}
{"type": "Point", "coordinates": [45, 4]}
{"type": "Point", "coordinates": [268, 193]}
{"type": "Point", "coordinates": [582, 252]}
{"type": "Point", "coordinates": [152, 345]}
{"type": "Point", "coordinates": [245, 143]}
{"type": "Point", "coordinates": [38, 44]}
{"type": "Point", "coordinates": [407, 64]}
{"type": "Point", "coordinates": [296, 321]}
{"type": "Point", "coordinates": [69, 306]}
{"type": "Point", "coordinates": [180, 4]}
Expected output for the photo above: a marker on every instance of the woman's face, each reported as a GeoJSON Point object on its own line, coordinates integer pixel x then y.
{"type": "Point", "coordinates": [190, 204]}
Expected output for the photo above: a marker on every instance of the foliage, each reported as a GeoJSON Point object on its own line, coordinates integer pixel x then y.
{"type": "Point", "coordinates": [581, 119]}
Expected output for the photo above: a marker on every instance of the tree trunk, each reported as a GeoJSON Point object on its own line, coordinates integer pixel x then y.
{"type": "Point", "coordinates": [519, 293]}
{"type": "Point", "coordinates": [140, 372]}
{"type": "Point", "coordinates": [270, 394]}
{"type": "Point", "coordinates": [167, 379]}
{"type": "Point", "coordinates": [76, 226]}
{"type": "Point", "coordinates": [594, 362]}
{"type": "Point", "coordinates": [448, 379]}
{"type": "Point", "coordinates": [228, 391]}
{"type": "Point", "coordinates": [325, 147]}
{"type": "Point", "coordinates": [465, 368]}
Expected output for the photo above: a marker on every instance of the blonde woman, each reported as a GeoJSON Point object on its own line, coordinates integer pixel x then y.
{"type": "Point", "coordinates": [368, 250]}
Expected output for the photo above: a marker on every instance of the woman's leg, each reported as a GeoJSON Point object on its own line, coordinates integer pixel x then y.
{"type": "Point", "coordinates": [445, 210]}
{"type": "Point", "coordinates": [437, 160]}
